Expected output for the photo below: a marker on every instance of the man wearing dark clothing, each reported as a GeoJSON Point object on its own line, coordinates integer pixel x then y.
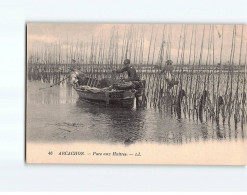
{"type": "Point", "coordinates": [132, 75]}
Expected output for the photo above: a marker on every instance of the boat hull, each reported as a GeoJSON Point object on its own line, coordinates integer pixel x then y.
{"type": "Point", "coordinates": [119, 98]}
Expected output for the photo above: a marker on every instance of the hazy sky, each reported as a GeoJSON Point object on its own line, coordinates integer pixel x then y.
{"type": "Point", "coordinates": [41, 35]}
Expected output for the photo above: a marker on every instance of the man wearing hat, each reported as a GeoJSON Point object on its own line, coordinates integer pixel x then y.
{"type": "Point", "coordinates": [169, 76]}
{"type": "Point", "coordinates": [132, 75]}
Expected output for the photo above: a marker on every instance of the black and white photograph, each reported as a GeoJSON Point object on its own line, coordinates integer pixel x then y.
{"type": "Point", "coordinates": [129, 84]}
{"type": "Point", "coordinates": [123, 96]}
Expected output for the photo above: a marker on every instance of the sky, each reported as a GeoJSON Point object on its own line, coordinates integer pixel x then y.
{"type": "Point", "coordinates": [182, 43]}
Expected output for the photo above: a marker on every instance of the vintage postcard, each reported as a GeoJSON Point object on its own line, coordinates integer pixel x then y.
{"type": "Point", "coordinates": [136, 94]}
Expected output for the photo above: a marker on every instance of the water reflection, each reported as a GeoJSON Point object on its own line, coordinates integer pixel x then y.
{"type": "Point", "coordinates": [124, 125]}
{"type": "Point", "coordinates": [57, 115]}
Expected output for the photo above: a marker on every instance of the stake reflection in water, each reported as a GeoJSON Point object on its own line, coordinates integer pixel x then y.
{"type": "Point", "coordinates": [206, 88]}
{"type": "Point", "coordinates": [57, 115]}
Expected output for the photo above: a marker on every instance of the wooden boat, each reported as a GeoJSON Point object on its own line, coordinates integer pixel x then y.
{"type": "Point", "coordinates": [109, 97]}
{"type": "Point", "coordinates": [121, 94]}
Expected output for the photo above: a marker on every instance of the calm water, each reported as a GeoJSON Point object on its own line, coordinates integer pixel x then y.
{"type": "Point", "coordinates": [57, 115]}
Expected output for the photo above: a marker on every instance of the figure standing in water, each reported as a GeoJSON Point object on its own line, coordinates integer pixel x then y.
{"type": "Point", "coordinates": [169, 77]}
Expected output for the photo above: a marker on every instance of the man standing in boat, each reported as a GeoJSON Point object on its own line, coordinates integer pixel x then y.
{"type": "Point", "coordinates": [134, 78]}
{"type": "Point", "coordinates": [132, 75]}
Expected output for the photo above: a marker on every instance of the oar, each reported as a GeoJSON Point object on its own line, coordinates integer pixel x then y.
{"type": "Point", "coordinates": [54, 84]}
